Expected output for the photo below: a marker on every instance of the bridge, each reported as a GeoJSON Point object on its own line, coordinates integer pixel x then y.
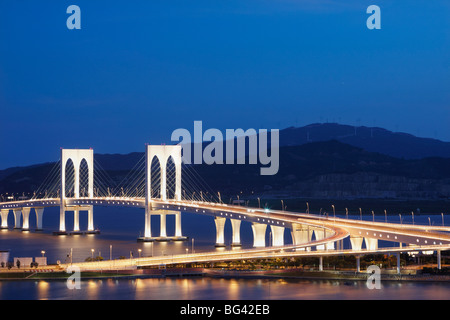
{"type": "Point", "coordinates": [155, 184]}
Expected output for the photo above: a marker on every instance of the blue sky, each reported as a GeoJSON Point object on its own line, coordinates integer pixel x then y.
{"type": "Point", "coordinates": [137, 70]}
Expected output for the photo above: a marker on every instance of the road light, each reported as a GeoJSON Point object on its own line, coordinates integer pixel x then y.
{"type": "Point", "coordinates": [192, 246]}
{"type": "Point", "coordinates": [92, 254]}
{"type": "Point", "coordinates": [442, 215]}
{"type": "Point", "coordinates": [139, 250]}
{"type": "Point", "coordinates": [412, 214]}
{"type": "Point", "coordinates": [429, 221]}
{"type": "Point", "coordinates": [334, 211]}
{"type": "Point", "coordinates": [360, 214]}
{"type": "Point", "coordinates": [373, 216]}
{"type": "Point", "coordinates": [282, 205]}
{"type": "Point", "coordinates": [385, 215]}
{"type": "Point", "coordinates": [346, 213]}
{"type": "Point", "coordinates": [43, 252]}
{"type": "Point", "coordinates": [307, 208]}
{"type": "Point", "coordinates": [259, 202]}
{"type": "Point", "coordinates": [110, 252]}
{"type": "Point", "coordinates": [400, 218]}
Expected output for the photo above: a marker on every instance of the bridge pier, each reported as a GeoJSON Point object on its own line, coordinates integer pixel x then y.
{"type": "Point", "coordinates": [259, 234]}
{"type": "Point", "coordinates": [162, 228]}
{"type": "Point", "coordinates": [320, 234]}
{"type": "Point", "coordinates": [39, 213]}
{"type": "Point", "coordinates": [76, 220]}
{"type": "Point", "coordinates": [358, 263]}
{"type": "Point", "coordinates": [277, 235]}
{"type": "Point", "coordinates": [26, 219]}
{"type": "Point", "coordinates": [398, 263]}
{"type": "Point", "coordinates": [4, 214]}
{"type": "Point", "coordinates": [320, 263]}
{"type": "Point", "coordinates": [90, 219]}
{"type": "Point", "coordinates": [301, 234]}
{"type": "Point", "coordinates": [236, 227]}
{"type": "Point", "coordinates": [371, 243]}
{"type": "Point", "coordinates": [178, 232]}
{"type": "Point", "coordinates": [438, 252]}
{"type": "Point", "coordinates": [17, 218]}
{"type": "Point", "coordinates": [220, 234]}
{"type": "Point", "coordinates": [356, 242]}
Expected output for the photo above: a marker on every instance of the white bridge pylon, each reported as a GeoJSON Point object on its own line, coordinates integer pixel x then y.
{"type": "Point", "coordinates": [77, 156]}
{"type": "Point", "coordinates": [163, 153]}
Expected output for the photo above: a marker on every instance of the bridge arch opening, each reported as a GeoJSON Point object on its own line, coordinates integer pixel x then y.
{"type": "Point", "coordinates": [155, 183]}
{"type": "Point", "coordinates": [69, 181]}
{"type": "Point", "coordinates": [84, 179]}
{"type": "Point", "coordinates": [171, 171]}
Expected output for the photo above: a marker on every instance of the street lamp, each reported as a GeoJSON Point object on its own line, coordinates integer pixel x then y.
{"type": "Point", "coordinates": [373, 216]}
{"type": "Point", "coordinates": [139, 250]}
{"type": "Point", "coordinates": [346, 213]}
{"type": "Point", "coordinates": [412, 213]}
{"type": "Point", "coordinates": [43, 252]}
{"type": "Point", "coordinates": [385, 215]}
{"type": "Point", "coordinates": [92, 254]}
{"type": "Point", "coordinates": [442, 215]}
{"type": "Point", "coordinates": [259, 202]}
{"type": "Point", "coordinates": [307, 208]}
{"type": "Point", "coordinates": [334, 212]}
{"type": "Point", "coordinates": [192, 245]}
{"type": "Point", "coordinates": [360, 214]}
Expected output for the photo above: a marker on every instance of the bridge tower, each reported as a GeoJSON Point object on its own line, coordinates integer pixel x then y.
{"type": "Point", "coordinates": [163, 153]}
{"type": "Point", "coordinates": [77, 156]}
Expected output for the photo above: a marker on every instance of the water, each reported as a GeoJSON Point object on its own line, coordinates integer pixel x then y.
{"type": "Point", "coordinates": [221, 289]}
{"type": "Point", "coordinates": [120, 227]}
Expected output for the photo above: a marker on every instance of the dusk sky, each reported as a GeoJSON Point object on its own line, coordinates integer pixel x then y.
{"type": "Point", "coordinates": [137, 70]}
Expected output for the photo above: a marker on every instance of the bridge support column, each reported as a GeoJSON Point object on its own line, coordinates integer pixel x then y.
{"type": "Point", "coordinates": [358, 263]}
{"type": "Point", "coordinates": [4, 214]}
{"type": "Point", "coordinates": [259, 234]}
{"type": "Point", "coordinates": [398, 263]}
{"type": "Point", "coordinates": [439, 259]}
{"type": "Point", "coordinates": [26, 219]}
{"type": "Point", "coordinates": [320, 234]}
{"type": "Point", "coordinates": [39, 213]}
{"type": "Point", "coordinates": [178, 232]}
{"type": "Point", "coordinates": [76, 220]}
{"type": "Point", "coordinates": [62, 220]}
{"type": "Point", "coordinates": [17, 218]}
{"type": "Point", "coordinates": [371, 244]}
{"type": "Point", "coordinates": [220, 234]}
{"type": "Point", "coordinates": [277, 236]}
{"type": "Point", "coordinates": [301, 234]}
{"type": "Point", "coordinates": [148, 229]}
{"type": "Point", "coordinates": [91, 218]}
{"type": "Point", "coordinates": [320, 263]}
{"type": "Point", "coordinates": [162, 229]}
{"type": "Point", "coordinates": [236, 227]}
{"type": "Point", "coordinates": [356, 242]}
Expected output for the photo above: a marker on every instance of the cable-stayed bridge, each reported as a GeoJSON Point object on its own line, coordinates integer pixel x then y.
{"type": "Point", "coordinates": [162, 185]}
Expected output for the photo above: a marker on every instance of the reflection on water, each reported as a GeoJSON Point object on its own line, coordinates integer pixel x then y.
{"type": "Point", "coordinates": [221, 289]}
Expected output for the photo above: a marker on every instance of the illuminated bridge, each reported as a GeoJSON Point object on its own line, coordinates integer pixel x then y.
{"type": "Point", "coordinates": [155, 184]}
